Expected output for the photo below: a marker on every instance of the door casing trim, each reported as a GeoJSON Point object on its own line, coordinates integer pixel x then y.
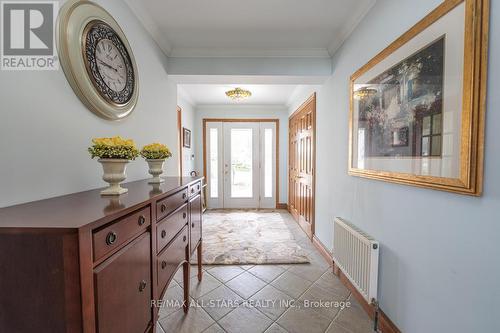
{"type": "Point", "coordinates": [246, 120]}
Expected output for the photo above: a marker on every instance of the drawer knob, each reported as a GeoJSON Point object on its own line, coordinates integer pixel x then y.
{"type": "Point", "coordinates": [141, 220]}
{"type": "Point", "coordinates": [142, 285]}
{"type": "Point", "coordinates": [184, 238]}
{"type": "Point", "coordinates": [163, 208]}
{"type": "Point", "coordinates": [184, 215]}
{"type": "Point", "coordinates": [192, 225]}
{"type": "Point", "coordinates": [183, 195]}
{"type": "Point", "coordinates": [163, 264]}
{"type": "Point", "coordinates": [192, 190]}
{"type": "Point", "coordinates": [111, 238]}
{"type": "Point", "coordinates": [163, 234]}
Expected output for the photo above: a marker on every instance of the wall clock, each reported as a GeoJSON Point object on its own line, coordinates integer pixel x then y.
{"type": "Point", "coordinates": [97, 59]}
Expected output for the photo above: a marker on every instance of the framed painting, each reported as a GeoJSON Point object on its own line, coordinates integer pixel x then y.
{"type": "Point", "coordinates": [186, 138]}
{"type": "Point", "coordinates": [417, 108]}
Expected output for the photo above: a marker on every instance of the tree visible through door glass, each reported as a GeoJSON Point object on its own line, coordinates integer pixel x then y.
{"type": "Point", "coordinates": [241, 163]}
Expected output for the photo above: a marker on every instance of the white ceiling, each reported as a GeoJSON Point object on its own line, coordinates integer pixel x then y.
{"type": "Point", "coordinates": [214, 94]}
{"type": "Point", "coordinates": [250, 28]}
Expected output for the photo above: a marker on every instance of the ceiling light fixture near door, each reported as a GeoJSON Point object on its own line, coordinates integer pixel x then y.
{"type": "Point", "coordinates": [238, 94]}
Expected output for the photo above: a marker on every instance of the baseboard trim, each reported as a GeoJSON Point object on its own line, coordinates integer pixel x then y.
{"type": "Point", "coordinates": [385, 325]}
{"type": "Point", "coordinates": [323, 250]}
{"type": "Point", "coordinates": [282, 206]}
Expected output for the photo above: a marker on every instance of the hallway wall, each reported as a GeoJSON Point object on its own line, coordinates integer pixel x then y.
{"type": "Point", "coordinates": [438, 253]}
{"type": "Point", "coordinates": [45, 129]}
{"type": "Point", "coordinates": [244, 112]}
{"type": "Point", "coordinates": [188, 114]}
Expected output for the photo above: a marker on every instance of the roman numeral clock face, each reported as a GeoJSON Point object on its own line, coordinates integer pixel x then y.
{"type": "Point", "coordinates": [108, 63]}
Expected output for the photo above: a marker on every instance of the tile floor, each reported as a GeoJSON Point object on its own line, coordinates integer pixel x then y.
{"type": "Point", "coordinates": [265, 298]}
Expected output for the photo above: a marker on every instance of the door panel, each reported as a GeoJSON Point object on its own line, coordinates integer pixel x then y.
{"type": "Point", "coordinates": [241, 165]}
{"type": "Point", "coordinates": [301, 165]}
{"type": "Point", "coordinates": [123, 289]}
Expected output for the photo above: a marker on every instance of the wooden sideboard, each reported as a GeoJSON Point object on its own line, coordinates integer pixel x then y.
{"type": "Point", "coordinates": [88, 263]}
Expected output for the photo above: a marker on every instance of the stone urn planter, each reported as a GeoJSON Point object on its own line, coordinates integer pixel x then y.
{"type": "Point", "coordinates": [155, 170]}
{"type": "Point", "coordinates": [114, 174]}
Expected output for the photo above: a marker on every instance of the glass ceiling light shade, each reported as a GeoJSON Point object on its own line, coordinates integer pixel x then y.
{"type": "Point", "coordinates": [238, 94]}
{"type": "Point", "coordinates": [365, 92]}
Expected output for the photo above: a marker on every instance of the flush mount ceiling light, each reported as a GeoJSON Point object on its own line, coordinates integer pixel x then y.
{"type": "Point", "coordinates": [238, 94]}
{"type": "Point", "coordinates": [365, 92]}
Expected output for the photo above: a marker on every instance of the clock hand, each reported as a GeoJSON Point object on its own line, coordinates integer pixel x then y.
{"type": "Point", "coordinates": [107, 65]}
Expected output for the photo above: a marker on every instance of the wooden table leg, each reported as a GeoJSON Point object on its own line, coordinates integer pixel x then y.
{"type": "Point", "coordinates": [200, 270]}
{"type": "Point", "coordinates": [186, 276]}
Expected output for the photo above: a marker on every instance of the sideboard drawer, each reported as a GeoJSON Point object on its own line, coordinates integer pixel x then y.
{"type": "Point", "coordinates": [170, 226]}
{"type": "Point", "coordinates": [168, 205]}
{"type": "Point", "coordinates": [170, 259]}
{"type": "Point", "coordinates": [194, 188]}
{"type": "Point", "coordinates": [114, 235]}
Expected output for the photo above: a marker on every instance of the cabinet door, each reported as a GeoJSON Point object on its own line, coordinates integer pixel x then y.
{"type": "Point", "coordinates": [123, 289]}
{"type": "Point", "coordinates": [195, 222]}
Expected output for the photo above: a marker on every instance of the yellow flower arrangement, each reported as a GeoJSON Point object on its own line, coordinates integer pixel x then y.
{"type": "Point", "coordinates": [115, 147]}
{"type": "Point", "coordinates": [155, 151]}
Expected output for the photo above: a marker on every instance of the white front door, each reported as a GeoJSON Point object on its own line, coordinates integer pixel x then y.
{"type": "Point", "coordinates": [241, 164]}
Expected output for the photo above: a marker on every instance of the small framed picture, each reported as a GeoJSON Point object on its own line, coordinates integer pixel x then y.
{"type": "Point", "coordinates": [186, 137]}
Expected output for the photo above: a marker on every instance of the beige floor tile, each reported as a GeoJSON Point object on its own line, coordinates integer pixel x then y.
{"type": "Point", "coordinates": [271, 301]}
{"type": "Point", "coordinates": [245, 320]}
{"type": "Point", "coordinates": [246, 285]}
{"type": "Point", "coordinates": [310, 272]}
{"type": "Point", "coordinates": [291, 284]}
{"type": "Point", "coordinates": [355, 320]}
{"type": "Point", "coordinates": [266, 273]}
{"type": "Point", "coordinates": [324, 302]}
{"type": "Point", "coordinates": [300, 320]}
{"type": "Point", "coordinates": [173, 300]}
{"type": "Point", "coordinates": [220, 302]}
{"type": "Point", "coordinates": [159, 329]}
{"type": "Point", "coordinates": [215, 328]}
{"type": "Point", "coordinates": [226, 273]}
{"type": "Point", "coordinates": [275, 328]}
{"type": "Point", "coordinates": [336, 328]}
{"type": "Point", "coordinates": [195, 321]}
{"type": "Point", "coordinates": [207, 284]}
{"type": "Point", "coordinates": [331, 282]}
{"type": "Point", "coordinates": [246, 267]}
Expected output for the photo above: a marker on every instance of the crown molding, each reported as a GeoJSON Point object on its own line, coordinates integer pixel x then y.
{"type": "Point", "coordinates": [245, 52]}
{"type": "Point", "coordinates": [148, 23]}
{"type": "Point", "coordinates": [349, 28]}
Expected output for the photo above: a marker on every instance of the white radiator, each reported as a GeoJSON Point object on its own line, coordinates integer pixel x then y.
{"type": "Point", "coordinates": [356, 254]}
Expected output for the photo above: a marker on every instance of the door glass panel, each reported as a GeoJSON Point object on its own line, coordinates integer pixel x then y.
{"type": "Point", "coordinates": [241, 163]}
{"type": "Point", "coordinates": [214, 167]}
{"type": "Point", "coordinates": [268, 162]}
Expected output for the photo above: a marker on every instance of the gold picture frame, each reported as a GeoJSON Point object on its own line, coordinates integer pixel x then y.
{"type": "Point", "coordinates": [470, 134]}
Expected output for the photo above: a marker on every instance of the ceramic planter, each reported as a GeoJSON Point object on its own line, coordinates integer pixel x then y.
{"type": "Point", "coordinates": [114, 174]}
{"type": "Point", "coordinates": [155, 170]}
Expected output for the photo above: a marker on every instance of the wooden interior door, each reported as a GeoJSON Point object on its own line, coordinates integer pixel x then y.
{"type": "Point", "coordinates": [301, 165]}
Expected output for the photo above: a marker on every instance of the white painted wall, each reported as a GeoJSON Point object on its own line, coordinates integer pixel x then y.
{"type": "Point", "coordinates": [439, 251]}
{"type": "Point", "coordinates": [248, 112]}
{"type": "Point", "coordinates": [45, 129]}
{"type": "Point", "coordinates": [187, 121]}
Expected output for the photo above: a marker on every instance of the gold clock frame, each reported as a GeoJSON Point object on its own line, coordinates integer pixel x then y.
{"type": "Point", "coordinates": [74, 17]}
{"type": "Point", "coordinates": [470, 180]}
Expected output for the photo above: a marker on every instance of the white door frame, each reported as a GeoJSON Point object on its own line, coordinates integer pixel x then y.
{"type": "Point", "coordinates": [215, 194]}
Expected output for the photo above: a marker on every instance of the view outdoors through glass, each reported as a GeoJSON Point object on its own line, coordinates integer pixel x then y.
{"type": "Point", "coordinates": [241, 163]}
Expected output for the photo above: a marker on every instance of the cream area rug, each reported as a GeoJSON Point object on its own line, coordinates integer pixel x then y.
{"type": "Point", "coordinates": [248, 237]}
